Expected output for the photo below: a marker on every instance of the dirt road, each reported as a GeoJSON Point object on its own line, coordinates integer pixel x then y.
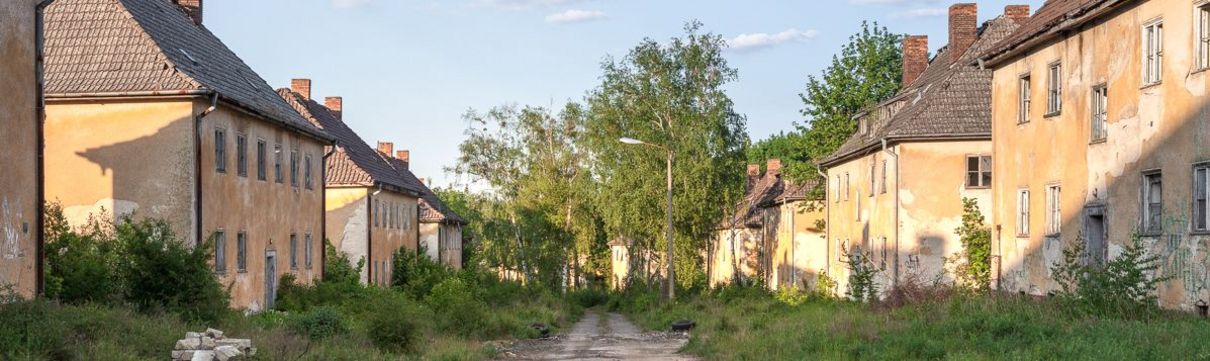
{"type": "Point", "coordinates": [601, 336]}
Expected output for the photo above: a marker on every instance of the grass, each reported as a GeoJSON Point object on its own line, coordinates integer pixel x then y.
{"type": "Point", "coordinates": [756, 326]}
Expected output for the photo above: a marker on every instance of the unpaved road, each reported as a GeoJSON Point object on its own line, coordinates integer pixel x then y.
{"type": "Point", "coordinates": [600, 336]}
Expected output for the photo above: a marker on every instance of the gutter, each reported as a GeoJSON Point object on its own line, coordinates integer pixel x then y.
{"type": "Point", "coordinates": [197, 165]}
{"type": "Point", "coordinates": [1067, 22]}
{"type": "Point", "coordinates": [859, 152]}
{"type": "Point", "coordinates": [885, 148]}
{"type": "Point", "coordinates": [39, 147]}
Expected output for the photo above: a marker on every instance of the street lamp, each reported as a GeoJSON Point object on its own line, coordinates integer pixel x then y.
{"type": "Point", "coordinates": [671, 283]}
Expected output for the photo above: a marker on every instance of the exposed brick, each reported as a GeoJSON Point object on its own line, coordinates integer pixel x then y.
{"type": "Point", "coordinates": [302, 87]}
{"type": "Point", "coordinates": [387, 148]}
{"type": "Point", "coordinates": [915, 57]}
{"type": "Point", "coordinates": [964, 29]}
{"type": "Point", "coordinates": [753, 170]}
{"type": "Point", "coordinates": [1018, 13]}
{"type": "Point", "coordinates": [336, 105]}
{"type": "Point", "coordinates": [773, 166]}
{"type": "Point", "coordinates": [405, 156]}
{"type": "Point", "coordinates": [193, 8]}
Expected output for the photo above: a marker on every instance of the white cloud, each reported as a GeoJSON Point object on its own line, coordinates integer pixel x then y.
{"type": "Point", "coordinates": [922, 13]}
{"type": "Point", "coordinates": [764, 40]}
{"type": "Point", "coordinates": [349, 4]}
{"type": "Point", "coordinates": [526, 4]}
{"type": "Point", "coordinates": [574, 16]}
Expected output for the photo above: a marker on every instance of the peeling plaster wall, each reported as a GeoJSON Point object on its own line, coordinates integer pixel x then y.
{"type": "Point", "coordinates": [397, 228]}
{"type": "Point", "coordinates": [1160, 127]}
{"type": "Point", "coordinates": [800, 247]}
{"type": "Point", "coordinates": [18, 121]}
{"type": "Point", "coordinates": [451, 245]}
{"type": "Point", "coordinates": [734, 248]}
{"type": "Point", "coordinates": [430, 236]}
{"type": "Point", "coordinates": [857, 220]}
{"type": "Point", "coordinates": [351, 228]}
{"type": "Point", "coordinates": [348, 224]}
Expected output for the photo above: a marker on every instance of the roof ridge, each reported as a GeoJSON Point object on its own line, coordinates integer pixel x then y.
{"type": "Point", "coordinates": [158, 47]}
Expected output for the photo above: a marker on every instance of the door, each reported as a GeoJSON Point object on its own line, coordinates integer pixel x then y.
{"type": "Point", "coordinates": [1095, 235]}
{"type": "Point", "coordinates": [270, 279]}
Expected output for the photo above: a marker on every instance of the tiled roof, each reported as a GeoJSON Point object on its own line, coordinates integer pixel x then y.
{"type": "Point", "coordinates": [1053, 15]}
{"type": "Point", "coordinates": [764, 191]}
{"type": "Point", "coordinates": [432, 209]}
{"type": "Point", "coordinates": [951, 99]}
{"type": "Point", "coordinates": [114, 47]}
{"type": "Point", "coordinates": [353, 163]}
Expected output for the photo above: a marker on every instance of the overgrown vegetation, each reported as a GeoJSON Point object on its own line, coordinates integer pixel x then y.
{"type": "Point", "coordinates": [862, 272]}
{"type": "Point", "coordinates": [1124, 286]}
{"type": "Point", "coordinates": [973, 264]}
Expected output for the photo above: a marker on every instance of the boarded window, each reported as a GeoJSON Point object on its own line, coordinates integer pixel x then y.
{"type": "Point", "coordinates": [1153, 203]}
{"type": "Point", "coordinates": [978, 171]}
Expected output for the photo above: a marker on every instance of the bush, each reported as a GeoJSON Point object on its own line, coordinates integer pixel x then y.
{"type": "Point", "coordinates": [458, 309]}
{"type": "Point", "coordinates": [1123, 287]}
{"type": "Point", "coordinates": [80, 267]}
{"type": "Point", "coordinates": [395, 326]}
{"type": "Point", "coordinates": [416, 274]}
{"type": "Point", "coordinates": [338, 268]}
{"type": "Point", "coordinates": [320, 324]}
{"type": "Point", "coordinates": [973, 265]}
{"type": "Point", "coordinates": [862, 271]}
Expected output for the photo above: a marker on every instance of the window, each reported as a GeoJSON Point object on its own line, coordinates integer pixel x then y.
{"type": "Point", "coordinates": [1023, 213]}
{"type": "Point", "coordinates": [1053, 216]}
{"type": "Point", "coordinates": [1153, 52]}
{"type": "Point", "coordinates": [220, 252]}
{"type": "Point", "coordinates": [873, 178]}
{"type": "Point", "coordinates": [1203, 36]}
{"type": "Point", "coordinates": [241, 256]}
{"type": "Point", "coordinates": [883, 190]}
{"type": "Point", "coordinates": [836, 192]}
{"type": "Point", "coordinates": [846, 187]}
{"type": "Point", "coordinates": [1023, 104]}
{"type": "Point", "coordinates": [1100, 99]}
{"type": "Point", "coordinates": [307, 179]}
{"type": "Point", "coordinates": [261, 159]}
{"type": "Point", "coordinates": [307, 250]}
{"type": "Point", "coordinates": [377, 212]}
{"type": "Point", "coordinates": [1152, 203]}
{"type": "Point", "coordinates": [1201, 183]}
{"type": "Point", "coordinates": [978, 171]}
{"type": "Point", "coordinates": [294, 168]}
{"type": "Point", "coordinates": [1054, 89]}
{"type": "Point", "coordinates": [293, 251]}
{"type": "Point", "coordinates": [241, 155]}
{"type": "Point", "coordinates": [277, 171]}
{"type": "Point", "coordinates": [220, 150]}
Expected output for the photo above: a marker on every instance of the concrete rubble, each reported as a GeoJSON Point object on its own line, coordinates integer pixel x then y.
{"type": "Point", "coordinates": [211, 346]}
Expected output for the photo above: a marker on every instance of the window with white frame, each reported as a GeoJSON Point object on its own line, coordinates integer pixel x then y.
{"type": "Point", "coordinates": [1203, 35]}
{"type": "Point", "coordinates": [1023, 101]}
{"type": "Point", "coordinates": [1100, 100]}
{"type": "Point", "coordinates": [1153, 52]}
{"type": "Point", "coordinates": [1053, 215]}
{"type": "Point", "coordinates": [978, 171]}
{"type": "Point", "coordinates": [1054, 89]}
{"type": "Point", "coordinates": [1153, 204]}
{"type": "Point", "coordinates": [1201, 184]}
{"type": "Point", "coordinates": [1023, 212]}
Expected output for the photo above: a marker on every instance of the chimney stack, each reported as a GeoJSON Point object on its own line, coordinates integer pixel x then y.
{"type": "Point", "coordinates": [773, 166]}
{"type": "Point", "coordinates": [753, 170]}
{"type": "Point", "coordinates": [193, 8]}
{"type": "Point", "coordinates": [915, 57]}
{"type": "Point", "coordinates": [964, 29]}
{"type": "Point", "coordinates": [1018, 13]}
{"type": "Point", "coordinates": [405, 156]}
{"type": "Point", "coordinates": [387, 148]}
{"type": "Point", "coordinates": [302, 87]}
{"type": "Point", "coordinates": [336, 105]}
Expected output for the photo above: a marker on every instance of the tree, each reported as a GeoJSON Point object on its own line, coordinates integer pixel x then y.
{"type": "Point", "coordinates": [867, 71]}
{"type": "Point", "coordinates": [670, 95]}
{"type": "Point", "coordinates": [788, 147]}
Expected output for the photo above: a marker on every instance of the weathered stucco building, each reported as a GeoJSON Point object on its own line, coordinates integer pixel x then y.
{"type": "Point", "coordinates": [371, 209]}
{"type": "Point", "coordinates": [897, 185]}
{"type": "Point", "coordinates": [440, 226]}
{"type": "Point", "coordinates": [774, 234]}
{"type": "Point", "coordinates": [150, 114]}
{"type": "Point", "coordinates": [619, 264]}
{"type": "Point", "coordinates": [1100, 126]}
{"type": "Point", "coordinates": [20, 186]}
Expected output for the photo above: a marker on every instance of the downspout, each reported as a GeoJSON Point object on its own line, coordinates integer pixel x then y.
{"type": "Point", "coordinates": [827, 224]}
{"type": "Point", "coordinates": [323, 215]}
{"type": "Point", "coordinates": [39, 146]}
{"type": "Point", "coordinates": [197, 165]}
{"type": "Point", "coordinates": [888, 150]}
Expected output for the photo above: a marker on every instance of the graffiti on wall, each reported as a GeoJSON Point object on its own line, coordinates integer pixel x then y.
{"type": "Point", "coordinates": [10, 231]}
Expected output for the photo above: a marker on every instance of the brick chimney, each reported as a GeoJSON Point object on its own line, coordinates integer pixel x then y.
{"type": "Point", "coordinates": [387, 148]}
{"type": "Point", "coordinates": [915, 57]}
{"type": "Point", "coordinates": [405, 156]}
{"type": "Point", "coordinates": [336, 105]}
{"type": "Point", "coordinates": [1018, 13]}
{"type": "Point", "coordinates": [193, 8]}
{"type": "Point", "coordinates": [773, 167]}
{"type": "Point", "coordinates": [964, 29]}
{"type": "Point", "coordinates": [753, 170]}
{"type": "Point", "coordinates": [302, 87]}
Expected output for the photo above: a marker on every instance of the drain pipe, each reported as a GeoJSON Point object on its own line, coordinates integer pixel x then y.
{"type": "Point", "coordinates": [197, 164]}
{"type": "Point", "coordinates": [39, 146]}
{"type": "Point", "coordinates": [894, 155]}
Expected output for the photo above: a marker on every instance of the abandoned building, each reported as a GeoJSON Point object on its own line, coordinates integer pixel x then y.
{"type": "Point", "coordinates": [148, 113]}
{"type": "Point", "coordinates": [440, 227]}
{"type": "Point", "coordinates": [20, 113]}
{"type": "Point", "coordinates": [896, 186]}
{"type": "Point", "coordinates": [371, 210]}
{"type": "Point", "coordinates": [774, 234]}
{"type": "Point", "coordinates": [619, 263]}
{"type": "Point", "coordinates": [1114, 146]}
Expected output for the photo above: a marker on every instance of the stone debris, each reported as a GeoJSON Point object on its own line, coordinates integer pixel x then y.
{"type": "Point", "coordinates": [211, 346]}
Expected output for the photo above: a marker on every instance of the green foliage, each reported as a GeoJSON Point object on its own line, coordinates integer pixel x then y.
{"type": "Point", "coordinates": [973, 265]}
{"type": "Point", "coordinates": [416, 274]}
{"type": "Point", "coordinates": [862, 271]}
{"type": "Point", "coordinates": [1122, 287]}
{"type": "Point", "coordinates": [319, 324]}
{"type": "Point", "coordinates": [339, 268]}
{"type": "Point", "coordinates": [395, 327]}
{"type": "Point", "coordinates": [789, 147]}
{"type": "Point", "coordinates": [81, 267]}
{"type": "Point", "coordinates": [825, 286]}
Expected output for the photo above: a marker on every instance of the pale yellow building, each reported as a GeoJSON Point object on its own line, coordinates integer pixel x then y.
{"type": "Point", "coordinates": [619, 261]}
{"type": "Point", "coordinates": [148, 113]}
{"type": "Point", "coordinates": [20, 188]}
{"type": "Point", "coordinates": [1099, 113]}
{"type": "Point", "coordinates": [896, 186]}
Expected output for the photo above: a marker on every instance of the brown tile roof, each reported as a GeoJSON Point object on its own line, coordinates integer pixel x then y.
{"type": "Point", "coordinates": [114, 47]}
{"type": "Point", "coordinates": [1053, 16]}
{"type": "Point", "coordinates": [432, 209]}
{"type": "Point", "coordinates": [950, 100]}
{"type": "Point", "coordinates": [353, 163]}
{"type": "Point", "coordinates": [764, 191]}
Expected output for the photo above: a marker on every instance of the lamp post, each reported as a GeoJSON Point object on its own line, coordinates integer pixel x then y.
{"type": "Point", "coordinates": [671, 283]}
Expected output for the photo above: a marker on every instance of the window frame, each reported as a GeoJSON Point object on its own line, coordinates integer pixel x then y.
{"type": "Point", "coordinates": [884, 171]}
{"type": "Point", "coordinates": [1151, 220]}
{"type": "Point", "coordinates": [1024, 98]}
{"type": "Point", "coordinates": [1023, 212]}
{"type": "Point", "coordinates": [1201, 35]}
{"type": "Point", "coordinates": [846, 186]}
{"type": "Point", "coordinates": [294, 165]}
{"type": "Point", "coordinates": [1054, 209]}
{"type": "Point", "coordinates": [220, 150]}
{"type": "Point", "coordinates": [1054, 89]}
{"type": "Point", "coordinates": [220, 252]}
{"type": "Point", "coordinates": [278, 171]}
{"type": "Point", "coordinates": [308, 175]}
{"type": "Point", "coordinates": [979, 172]}
{"type": "Point", "coordinates": [262, 160]}
{"type": "Point", "coordinates": [1202, 215]}
{"type": "Point", "coordinates": [1152, 44]}
{"type": "Point", "coordinates": [1099, 114]}
{"type": "Point", "coordinates": [294, 251]}
{"type": "Point", "coordinates": [241, 155]}
{"type": "Point", "coordinates": [241, 256]}
{"type": "Point", "coordinates": [308, 254]}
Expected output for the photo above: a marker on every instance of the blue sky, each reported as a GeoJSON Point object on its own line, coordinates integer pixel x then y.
{"type": "Point", "coordinates": [408, 69]}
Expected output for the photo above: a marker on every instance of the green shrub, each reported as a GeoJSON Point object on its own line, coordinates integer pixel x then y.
{"type": "Point", "coordinates": [862, 271]}
{"type": "Point", "coordinates": [162, 273]}
{"type": "Point", "coordinates": [338, 268]}
{"type": "Point", "coordinates": [395, 326]}
{"type": "Point", "coordinates": [458, 309]}
{"type": "Point", "coordinates": [973, 264]}
{"type": "Point", "coordinates": [81, 267]}
{"type": "Point", "coordinates": [416, 274]}
{"type": "Point", "coordinates": [1122, 287]}
{"type": "Point", "coordinates": [294, 297]}
{"type": "Point", "coordinates": [319, 324]}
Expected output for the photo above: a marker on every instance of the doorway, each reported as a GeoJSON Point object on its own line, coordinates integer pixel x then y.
{"type": "Point", "coordinates": [1095, 235]}
{"type": "Point", "coordinates": [270, 279]}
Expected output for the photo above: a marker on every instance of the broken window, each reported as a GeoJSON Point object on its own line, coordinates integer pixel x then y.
{"type": "Point", "coordinates": [1152, 203]}
{"type": "Point", "coordinates": [1153, 52]}
{"type": "Point", "coordinates": [978, 171]}
{"type": "Point", "coordinates": [1201, 177]}
{"type": "Point", "coordinates": [1023, 103]}
{"type": "Point", "coordinates": [1023, 213]}
{"type": "Point", "coordinates": [220, 150]}
{"type": "Point", "coordinates": [1100, 98]}
{"type": "Point", "coordinates": [1054, 89]}
{"type": "Point", "coordinates": [1053, 215]}
{"type": "Point", "coordinates": [241, 155]}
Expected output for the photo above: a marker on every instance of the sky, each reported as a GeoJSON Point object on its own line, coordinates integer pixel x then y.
{"type": "Point", "coordinates": [409, 69]}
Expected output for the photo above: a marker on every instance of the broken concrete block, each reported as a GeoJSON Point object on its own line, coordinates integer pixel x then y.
{"type": "Point", "coordinates": [214, 333]}
{"type": "Point", "coordinates": [208, 343]}
{"type": "Point", "coordinates": [203, 356]}
{"type": "Point", "coordinates": [242, 344]}
{"type": "Point", "coordinates": [226, 353]}
{"type": "Point", "coordinates": [182, 355]}
{"type": "Point", "coordinates": [189, 344]}
{"type": "Point", "coordinates": [193, 335]}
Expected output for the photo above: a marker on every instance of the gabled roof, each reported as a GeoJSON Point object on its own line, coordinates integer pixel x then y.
{"type": "Point", "coordinates": [129, 47]}
{"type": "Point", "coordinates": [764, 191]}
{"type": "Point", "coordinates": [950, 100]}
{"type": "Point", "coordinates": [353, 163]}
{"type": "Point", "coordinates": [432, 209]}
{"type": "Point", "coordinates": [1051, 18]}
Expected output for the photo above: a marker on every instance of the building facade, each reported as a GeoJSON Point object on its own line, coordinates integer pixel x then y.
{"type": "Point", "coordinates": [1099, 109]}
{"type": "Point", "coordinates": [20, 186]}
{"type": "Point", "coordinates": [149, 114]}
{"type": "Point", "coordinates": [897, 185]}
